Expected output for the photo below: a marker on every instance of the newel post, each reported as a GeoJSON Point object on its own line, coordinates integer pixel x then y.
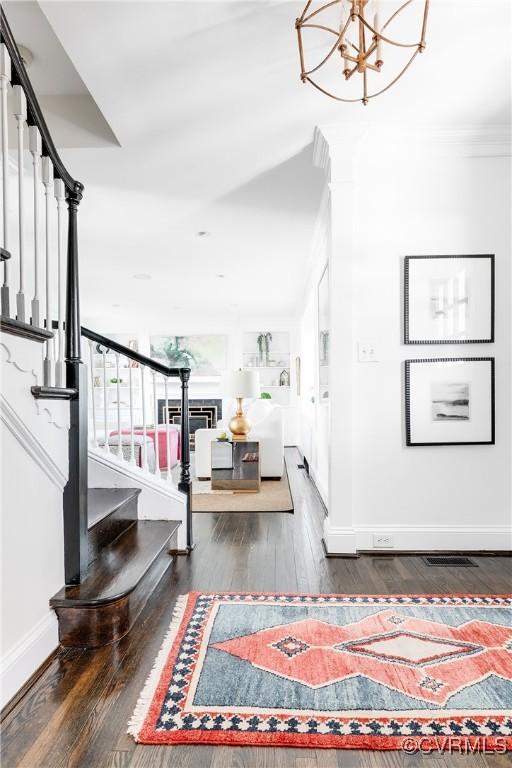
{"type": "Point", "coordinates": [75, 492]}
{"type": "Point", "coordinates": [185, 485]}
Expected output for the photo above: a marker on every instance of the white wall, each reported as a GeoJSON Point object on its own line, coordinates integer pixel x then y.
{"type": "Point", "coordinates": [34, 437]}
{"type": "Point", "coordinates": [437, 195]}
{"type": "Point", "coordinates": [433, 205]}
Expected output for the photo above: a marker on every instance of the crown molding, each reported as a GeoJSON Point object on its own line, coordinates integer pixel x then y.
{"type": "Point", "coordinates": [336, 147]}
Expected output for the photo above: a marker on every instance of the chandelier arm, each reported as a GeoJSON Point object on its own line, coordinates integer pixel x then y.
{"type": "Point", "coordinates": [334, 48]}
{"type": "Point", "coordinates": [319, 10]}
{"type": "Point", "coordinates": [301, 53]}
{"type": "Point", "coordinates": [301, 17]}
{"type": "Point", "coordinates": [404, 70]}
{"type": "Point", "coordinates": [352, 71]}
{"type": "Point", "coordinates": [328, 29]}
{"type": "Point", "coordinates": [370, 50]}
{"type": "Point", "coordinates": [387, 39]}
{"type": "Point", "coordinates": [399, 10]}
{"type": "Point", "coordinates": [424, 27]}
{"type": "Point", "coordinates": [320, 26]}
{"type": "Point", "coordinates": [371, 95]}
{"type": "Point", "coordinates": [331, 95]}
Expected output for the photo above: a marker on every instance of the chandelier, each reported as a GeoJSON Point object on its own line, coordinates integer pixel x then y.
{"type": "Point", "coordinates": [364, 47]}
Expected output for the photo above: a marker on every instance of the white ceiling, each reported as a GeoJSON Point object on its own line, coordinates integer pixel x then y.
{"type": "Point", "coordinates": [215, 131]}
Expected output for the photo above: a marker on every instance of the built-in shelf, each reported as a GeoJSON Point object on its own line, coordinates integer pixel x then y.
{"type": "Point", "coordinates": [269, 361]}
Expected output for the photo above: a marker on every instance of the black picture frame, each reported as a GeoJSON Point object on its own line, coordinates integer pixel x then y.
{"type": "Point", "coordinates": [407, 377]}
{"type": "Point", "coordinates": [406, 307]}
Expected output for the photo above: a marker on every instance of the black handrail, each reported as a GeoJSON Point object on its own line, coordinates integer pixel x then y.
{"type": "Point", "coordinates": [35, 116]}
{"type": "Point", "coordinates": [185, 482]}
{"type": "Point", "coordinates": [127, 352]}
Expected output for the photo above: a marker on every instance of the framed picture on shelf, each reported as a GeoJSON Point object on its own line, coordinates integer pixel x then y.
{"type": "Point", "coordinates": [449, 299]}
{"type": "Point", "coordinates": [450, 401]}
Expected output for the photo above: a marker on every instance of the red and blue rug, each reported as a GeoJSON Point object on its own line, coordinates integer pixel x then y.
{"type": "Point", "coordinates": [334, 671]}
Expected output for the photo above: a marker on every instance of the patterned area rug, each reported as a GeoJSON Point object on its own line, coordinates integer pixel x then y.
{"type": "Point", "coordinates": [339, 671]}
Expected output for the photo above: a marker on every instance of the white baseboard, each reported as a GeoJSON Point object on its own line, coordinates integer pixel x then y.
{"type": "Point", "coordinates": [27, 655]}
{"type": "Point", "coordinates": [420, 538]}
{"type": "Point", "coordinates": [339, 541]}
{"type": "Point", "coordinates": [322, 492]}
{"type": "Point", "coordinates": [432, 538]}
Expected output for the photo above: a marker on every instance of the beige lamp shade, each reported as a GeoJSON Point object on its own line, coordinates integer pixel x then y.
{"type": "Point", "coordinates": [241, 384]}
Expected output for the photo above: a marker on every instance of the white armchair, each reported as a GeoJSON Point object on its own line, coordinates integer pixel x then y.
{"type": "Point", "coordinates": [267, 427]}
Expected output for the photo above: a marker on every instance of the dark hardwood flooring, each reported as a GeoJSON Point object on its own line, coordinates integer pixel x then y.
{"type": "Point", "coordinates": [77, 712]}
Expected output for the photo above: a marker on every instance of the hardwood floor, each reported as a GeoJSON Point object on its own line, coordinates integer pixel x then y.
{"type": "Point", "coordinates": [77, 712]}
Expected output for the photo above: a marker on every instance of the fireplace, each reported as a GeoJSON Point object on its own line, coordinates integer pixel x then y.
{"type": "Point", "coordinates": [203, 414]}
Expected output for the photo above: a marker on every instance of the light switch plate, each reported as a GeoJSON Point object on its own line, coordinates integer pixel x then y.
{"type": "Point", "coordinates": [367, 352]}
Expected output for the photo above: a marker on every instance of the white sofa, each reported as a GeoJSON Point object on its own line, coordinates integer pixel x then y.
{"type": "Point", "coordinates": [267, 427]}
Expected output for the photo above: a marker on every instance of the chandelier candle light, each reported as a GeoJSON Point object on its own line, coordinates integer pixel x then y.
{"type": "Point", "coordinates": [361, 42]}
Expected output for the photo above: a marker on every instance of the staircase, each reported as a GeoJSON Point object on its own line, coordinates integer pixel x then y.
{"type": "Point", "coordinates": [127, 559]}
{"type": "Point", "coordinates": [119, 539]}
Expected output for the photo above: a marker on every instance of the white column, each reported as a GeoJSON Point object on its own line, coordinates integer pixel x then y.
{"type": "Point", "coordinates": [93, 394]}
{"type": "Point", "coordinates": [144, 459]}
{"type": "Point", "coordinates": [5, 78]}
{"type": "Point", "coordinates": [34, 139]}
{"type": "Point", "coordinates": [47, 175]}
{"type": "Point", "coordinates": [20, 113]}
{"type": "Point", "coordinates": [166, 395]}
{"type": "Point", "coordinates": [132, 438]}
{"type": "Point", "coordinates": [339, 530]}
{"type": "Point", "coordinates": [157, 442]}
{"type": "Point", "coordinates": [60, 194]}
{"type": "Point", "coordinates": [105, 402]}
{"type": "Point", "coordinates": [118, 398]}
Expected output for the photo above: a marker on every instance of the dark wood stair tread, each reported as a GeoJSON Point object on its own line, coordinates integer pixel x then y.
{"type": "Point", "coordinates": [103, 501]}
{"type": "Point", "coordinates": [120, 567]}
{"type": "Point", "coordinates": [27, 331]}
{"type": "Point", "coordinates": [54, 393]}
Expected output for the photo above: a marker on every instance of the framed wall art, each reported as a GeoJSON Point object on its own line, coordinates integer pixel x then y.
{"type": "Point", "coordinates": [449, 299]}
{"type": "Point", "coordinates": [205, 355]}
{"type": "Point", "coordinates": [450, 401]}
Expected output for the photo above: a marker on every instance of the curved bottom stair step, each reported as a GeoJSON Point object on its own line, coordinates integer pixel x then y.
{"type": "Point", "coordinates": [103, 608]}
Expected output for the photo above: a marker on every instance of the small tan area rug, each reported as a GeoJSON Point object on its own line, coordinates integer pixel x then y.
{"type": "Point", "coordinates": [273, 496]}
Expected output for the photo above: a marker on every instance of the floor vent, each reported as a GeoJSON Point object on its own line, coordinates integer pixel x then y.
{"type": "Point", "coordinates": [450, 560]}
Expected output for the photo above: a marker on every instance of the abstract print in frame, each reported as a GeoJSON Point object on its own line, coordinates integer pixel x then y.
{"type": "Point", "coordinates": [450, 401]}
{"type": "Point", "coordinates": [449, 299]}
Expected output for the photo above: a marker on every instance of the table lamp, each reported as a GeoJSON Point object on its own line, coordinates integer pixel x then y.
{"type": "Point", "coordinates": [240, 384]}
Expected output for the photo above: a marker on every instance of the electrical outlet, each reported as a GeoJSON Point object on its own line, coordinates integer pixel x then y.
{"type": "Point", "coordinates": [381, 541]}
{"type": "Point", "coordinates": [367, 352]}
